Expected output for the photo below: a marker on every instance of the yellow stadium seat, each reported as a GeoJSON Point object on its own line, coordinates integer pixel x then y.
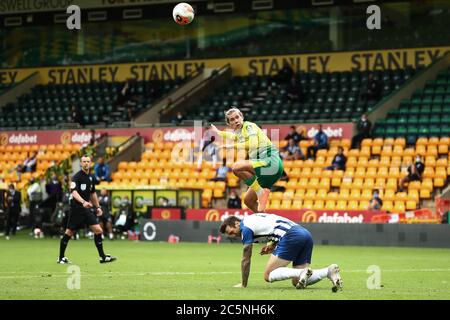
{"type": "Point", "coordinates": [353, 153]}
{"type": "Point", "coordinates": [308, 204]}
{"type": "Point", "coordinates": [365, 152]}
{"type": "Point", "coordinates": [357, 183]}
{"type": "Point", "coordinates": [123, 165]}
{"type": "Point", "coordinates": [286, 204]}
{"type": "Point", "coordinates": [443, 162]}
{"type": "Point", "coordinates": [366, 142]}
{"type": "Point", "coordinates": [386, 151]}
{"type": "Point", "coordinates": [218, 193]}
{"type": "Point", "coordinates": [391, 184]}
{"type": "Point", "coordinates": [430, 161]}
{"type": "Point", "coordinates": [318, 205]}
{"type": "Point", "coordinates": [414, 185]}
{"type": "Point", "coordinates": [401, 196]}
{"type": "Point", "coordinates": [413, 195]}
{"type": "Point", "coordinates": [355, 194]}
{"type": "Point", "coordinates": [388, 142]}
{"type": "Point", "coordinates": [299, 194]}
{"type": "Point", "coordinates": [288, 195]}
{"type": "Point", "coordinates": [387, 206]}
{"type": "Point", "coordinates": [428, 172]}
{"type": "Point", "coordinates": [288, 164]}
{"type": "Point", "coordinates": [369, 183]}
{"type": "Point", "coordinates": [313, 183]}
{"type": "Point", "coordinates": [388, 195]}
{"type": "Point", "coordinates": [425, 194]}
{"type": "Point", "coordinates": [344, 194]}
{"type": "Point", "coordinates": [297, 204]}
{"type": "Point", "coordinates": [438, 182]}
{"type": "Point", "coordinates": [363, 204]}
{"type": "Point", "coordinates": [411, 205]}
{"type": "Point", "coordinates": [432, 151]}
{"type": "Point", "coordinates": [275, 204]}
{"type": "Point", "coordinates": [353, 205]}
{"type": "Point", "coordinates": [366, 194]}
{"type": "Point", "coordinates": [276, 196]}
{"type": "Point", "coordinates": [321, 194]}
{"type": "Point", "coordinates": [373, 163]}
{"type": "Point", "coordinates": [303, 183]}
{"type": "Point", "coordinates": [360, 172]}
{"type": "Point", "coordinates": [384, 162]}
{"type": "Point", "coordinates": [397, 151]}
{"type": "Point", "coordinates": [422, 141]}
{"type": "Point", "coordinates": [376, 150]}
{"type": "Point", "coordinates": [377, 142]}
{"type": "Point", "coordinates": [433, 141]}
{"type": "Point", "coordinates": [351, 162]}
{"type": "Point", "coordinates": [409, 152]}
{"type": "Point", "coordinates": [394, 172]}
{"type": "Point", "coordinates": [341, 205]}
{"type": "Point", "coordinates": [440, 173]}
{"type": "Point", "coordinates": [334, 196]}
{"type": "Point", "coordinates": [316, 172]}
{"type": "Point", "coordinates": [399, 206]}
{"type": "Point", "coordinates": [442, 149]}
{"type": "Point", "coordinates": [400, 142]}
{"type": "Point", "coordinates": [330, 205]}
{"type": "Point", "coordinates": [310, 194]}
{"type": "Point", "coordinates": [372, 173]}
{"type": "Point", "coordinates": [325, 183]}
{"type": "Point", "coordinates": [363, 162]}
{"type": "Point", "coordinates": [427, 184]}
{"type": "Point", "coordinates": [346, 183]}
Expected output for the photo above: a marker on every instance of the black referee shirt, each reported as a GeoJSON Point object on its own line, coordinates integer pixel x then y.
{"type": "Point", "coordinates": [84, 184]}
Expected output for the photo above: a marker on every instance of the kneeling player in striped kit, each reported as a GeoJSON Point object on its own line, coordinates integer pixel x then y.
{"type": "Point", "coordinates": [288, 242]}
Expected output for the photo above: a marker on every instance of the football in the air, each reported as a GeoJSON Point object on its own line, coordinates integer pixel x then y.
{"type": "Point", "coordinates": [183, 13]}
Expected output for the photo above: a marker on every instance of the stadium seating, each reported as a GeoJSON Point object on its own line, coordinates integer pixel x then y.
{"type": "Point", "coordinates": [326, 97]}
{"type": "Point", "coordinates": [381, 166]}
{"type": "Point", "coordinates": [48, 155]}
{"type": "Point", "coordinates": [425, 114]}
{"type": "Point", "coordinates": [157, 168]}
{"type": "Point", "coordinates": [48, 105]}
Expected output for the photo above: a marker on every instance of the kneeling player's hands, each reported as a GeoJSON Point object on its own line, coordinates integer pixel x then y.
{"type": "Point", "coordinates": [266, 250]}
{"type": "Point", "coordinates": [87, 205]}
{"type": "Point", "coordinates": [99, 212]}
{"type": "Point", "coordinates": [239, 285]}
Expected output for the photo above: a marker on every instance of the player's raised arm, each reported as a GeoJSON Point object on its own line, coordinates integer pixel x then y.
{"type": "Point", "coordinates": [224, 134]}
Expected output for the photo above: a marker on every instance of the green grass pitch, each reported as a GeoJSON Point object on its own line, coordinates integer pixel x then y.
{"type": "Point", "coordinates": [146, 270]}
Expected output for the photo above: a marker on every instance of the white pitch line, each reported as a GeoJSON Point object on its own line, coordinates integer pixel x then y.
{"type": "Point", "coordinates": [22, 275]}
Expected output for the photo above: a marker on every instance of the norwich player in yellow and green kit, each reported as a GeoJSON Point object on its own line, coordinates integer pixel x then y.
{"type": "Point", "coordinates": [263, 167]}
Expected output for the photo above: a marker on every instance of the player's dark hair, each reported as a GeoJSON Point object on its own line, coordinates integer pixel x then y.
{"type": "Point", "coordinates": [230, 221]}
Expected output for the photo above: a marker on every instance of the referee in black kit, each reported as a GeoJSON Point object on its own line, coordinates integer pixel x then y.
{"type": "Point", "coordinates": [82, 190]}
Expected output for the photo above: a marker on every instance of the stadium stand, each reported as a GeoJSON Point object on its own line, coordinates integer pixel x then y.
{"type": "Point", "coordinates": [378, 164]}
{"type": "Point", "coordinates": [425, 114]}
{"type": "Point", "coordinates": [157, 168]}
{"type": "Point", "coordinates": [48, 156]}
{"type": "Point", "coordinates": [328, 96]}
{"type": "Point", "coordinates": [96, 102]}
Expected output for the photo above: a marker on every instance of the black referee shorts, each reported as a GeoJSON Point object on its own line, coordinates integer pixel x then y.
{"type": "Point", "coordinates": [78, 218]}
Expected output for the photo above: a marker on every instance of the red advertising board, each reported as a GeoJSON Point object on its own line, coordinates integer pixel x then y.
{"type": "Point", "coordinates": [304, 215]}
{"type": "Point", "coordinates": [173, 134]}
{"type": "Point", "coordinates": [166, 213]}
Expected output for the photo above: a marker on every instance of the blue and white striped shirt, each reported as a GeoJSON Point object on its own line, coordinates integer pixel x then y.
{"type": "Point", "coordinates": [264, 227]}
